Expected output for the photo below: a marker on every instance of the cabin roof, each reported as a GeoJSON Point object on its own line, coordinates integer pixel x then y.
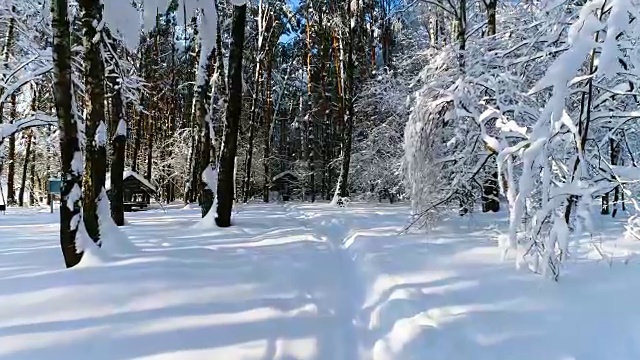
{"type": "Point", "coordinates": [283, 174]}
{"type": "Point", "coordinates": [128, 174]}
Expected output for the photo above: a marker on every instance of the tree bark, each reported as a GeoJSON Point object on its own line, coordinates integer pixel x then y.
{"type": "Point", "coordinates": [615, 159]}
{"type": "Point", "coordinates": [311, 107]}
{"type": "Point", "coordinates": [268, 120]}
{"type": "Point", "coordinates": [137, 142]}
{"type": "Point", "coordinates": [343, 181]}
{"type": "Point", "coordinates": [6, 53]}
{"type": "Point", "coordinates": [11, 171]}
{"type": "Point", "coordinates": [150, 138]}
{"type": "Point", "coordinates": [32, 179]}
{"type": "Point", "coordinates": [207, 150]}
{"type": "Point", "coordinates": [263, 58]}
{"type": "Point", "coordinates": [249, 159]}
{"type": "Point", "coordinates": [118, 144]}
{"type": "Point", "coordinates": [95, 128]}
{"type": "Point", "coordinates": [234, 110]}
{"type": "Point", "coordinates": [27, 156]}
{"type": "Point", "coordinates": [491, 6]}
{"type": "Point", "coordinates": [25, 168]}
{"type": "Point", "coordinates": [70, 211]}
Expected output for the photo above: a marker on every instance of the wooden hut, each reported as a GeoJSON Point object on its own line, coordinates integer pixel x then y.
{"type": "Point", "coordinates": [138, 191]}
{"type": "Point", "coordinates": [286, 184]}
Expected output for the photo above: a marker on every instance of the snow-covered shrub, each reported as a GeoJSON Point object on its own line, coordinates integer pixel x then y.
{"type": "Point", "coordinates": [564, 159]}
{"type": "Point", "coordinates": [552, 104]}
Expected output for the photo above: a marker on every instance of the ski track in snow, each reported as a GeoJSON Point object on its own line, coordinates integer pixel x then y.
{"type": "Point", "coordinates": [348, 295]}
{"type": "Point", "coordinates": [274, 286]}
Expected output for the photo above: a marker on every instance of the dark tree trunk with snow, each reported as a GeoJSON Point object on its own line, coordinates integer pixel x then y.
{"type": "Point", "coordinates": [615, 152]}
{"type": "Point", "coordinates": [491, 6]}
{"type": "Point", "coordinates": [491, 193]}
{"type": "Point", "coordinates": [343, 181]}
{"type": "Point", "coordinates": [6, 54]}
{"type": "Point", "coordinates": [32, 180]}
{"type": "Point", "coordinates": [268, 120]}
{"type": "Point", "coordinates": [95, 128]}
{"type": "Point", "coordinates": [252, 127]}
{"type": "Point", "coordinates": [118, 144]}
{"type": "Point", "coordinates": [150, 136]}
{"type": "Point", "coordinates": [25, 168]}
{"type": "Point", "coordinates": [203, 118]}
{"type": "Point", "coordinates": [28, 156]}
{"type": "Point", "coordinates": [137, 143]}
{"type": "Point", "coordinates": [226, 181]}
{"type": "Point", "coordinates": [68, 131]}
{"type": "Point", "coordinates": [11, 171]}
{"type": "Point", "coordinates": [248, 161]}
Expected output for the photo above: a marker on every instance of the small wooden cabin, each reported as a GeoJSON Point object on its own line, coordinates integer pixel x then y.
{"type": "Point", "coordinates": [286, 184]}
{"type": "Point", "coordinates": [138, 191]}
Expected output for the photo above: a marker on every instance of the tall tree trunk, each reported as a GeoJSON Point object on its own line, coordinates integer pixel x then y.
{"type": "Point", "coordinates": [193, 183]}
{"type": "Point", "coordinates": [173, 118]}
{"type": "Point", "coordinates": [118, 144]}
{"type": "Point", "coordinates": [6, 54]}
{"type": "Point", "coordinates": [95, 128]}
{"type": "Point", "coordinates": [193, 163]}
{"type": "Point", "coordinates": [32, 180]}
{"type": "Point", "coordinates": [248, 161]}
{"type": "Point", "coordinates": [343, 181]}
{"type": "Point", "coordinates": [252, 124]}
{"type": "Point", "coordinates": [491, 6]}
{"type": "Point", "coordinates": [203, 118]}
{"type": "Point", "coordinates": [234, 110]}
{"type": "Point", "coordinates": [614, 151]}
{"type": "Point", "coordinates": [150, 137]}
{"type": "Point", "coordinates": [311, 106]}
{"type": "Point", "coordinates": [9, 41]}
{"type": "Point", "coordinates": [387, 35]}
{"type": "Point", "coordinates": [71, 196]}
{"type": "Point", "coordinates": [268, 120]}
{"type": "Point", "coordinates": [28, 155]}
{"type": "Point", "coordinates": [11, 171]}
{"type": "Point", "coordinates": [25, 168]}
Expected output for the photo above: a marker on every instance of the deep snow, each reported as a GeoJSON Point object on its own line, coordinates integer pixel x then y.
{"type": "Point", "coordinates": [312, 281]}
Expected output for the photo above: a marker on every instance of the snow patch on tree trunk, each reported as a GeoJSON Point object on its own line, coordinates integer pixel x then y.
{"type": "Point", "coordinates": [209, 177]}
{"type": "Point", "coordinates": [92, 255]}
{"type": "Point", "coordinates": [113, 240]}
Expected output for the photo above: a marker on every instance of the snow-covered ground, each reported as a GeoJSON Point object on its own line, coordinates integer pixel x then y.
{"type": "Point", "coordinates": [312, 281]}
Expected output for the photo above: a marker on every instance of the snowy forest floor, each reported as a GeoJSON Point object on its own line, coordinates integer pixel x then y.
{"type": "Point", "coordinates": [303, 281]}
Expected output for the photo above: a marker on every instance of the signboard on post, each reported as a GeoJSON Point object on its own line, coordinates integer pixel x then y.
{"type": "Point", "coordinates": [55, 188]}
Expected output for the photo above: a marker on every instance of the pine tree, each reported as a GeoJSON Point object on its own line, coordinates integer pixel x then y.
{"type": "Point", "coordinates": [71, 154]}
{"type": "Point", "coordinates": [95, 128]}
{"type": "Point", "coordinates": [226, 176]}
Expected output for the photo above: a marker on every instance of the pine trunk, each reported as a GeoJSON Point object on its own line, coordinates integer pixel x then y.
{"type": "Point", "coordinates": [11, 171]}
{"type": "Point", "coordinates": [207, 151]}
{"type": "Point", "coordinates": [343, 181]}
{"type": "Point", "coordinates": [491, 17]}
{"type": "Point", "coordinates": [70, 211]}
{"type": "Point", "coordinates": [137, 143]}
{"type": "Point", "coordinates": [309, 119]}
{"type": "Point", "coordinates": [252, 127]}
{"type": "Point", "coordinates": [95, 128]}
{"type": "Point", "coordinates": [268, 120]}
{"type": "Point", "coordinates": [27, 156]}
{"type": "Point", "coordinates": [150, 137]}
{"type": "Point", "coordinates": [226, 181]}
{"type": "Point", "coordinates": [32, 180]}
{"type": "Point", "coordinates": [25, 168]}
{"type": "Point", "coordinates": [118, 144]}
{"type": "Point", "coordinates": [6, 53]}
